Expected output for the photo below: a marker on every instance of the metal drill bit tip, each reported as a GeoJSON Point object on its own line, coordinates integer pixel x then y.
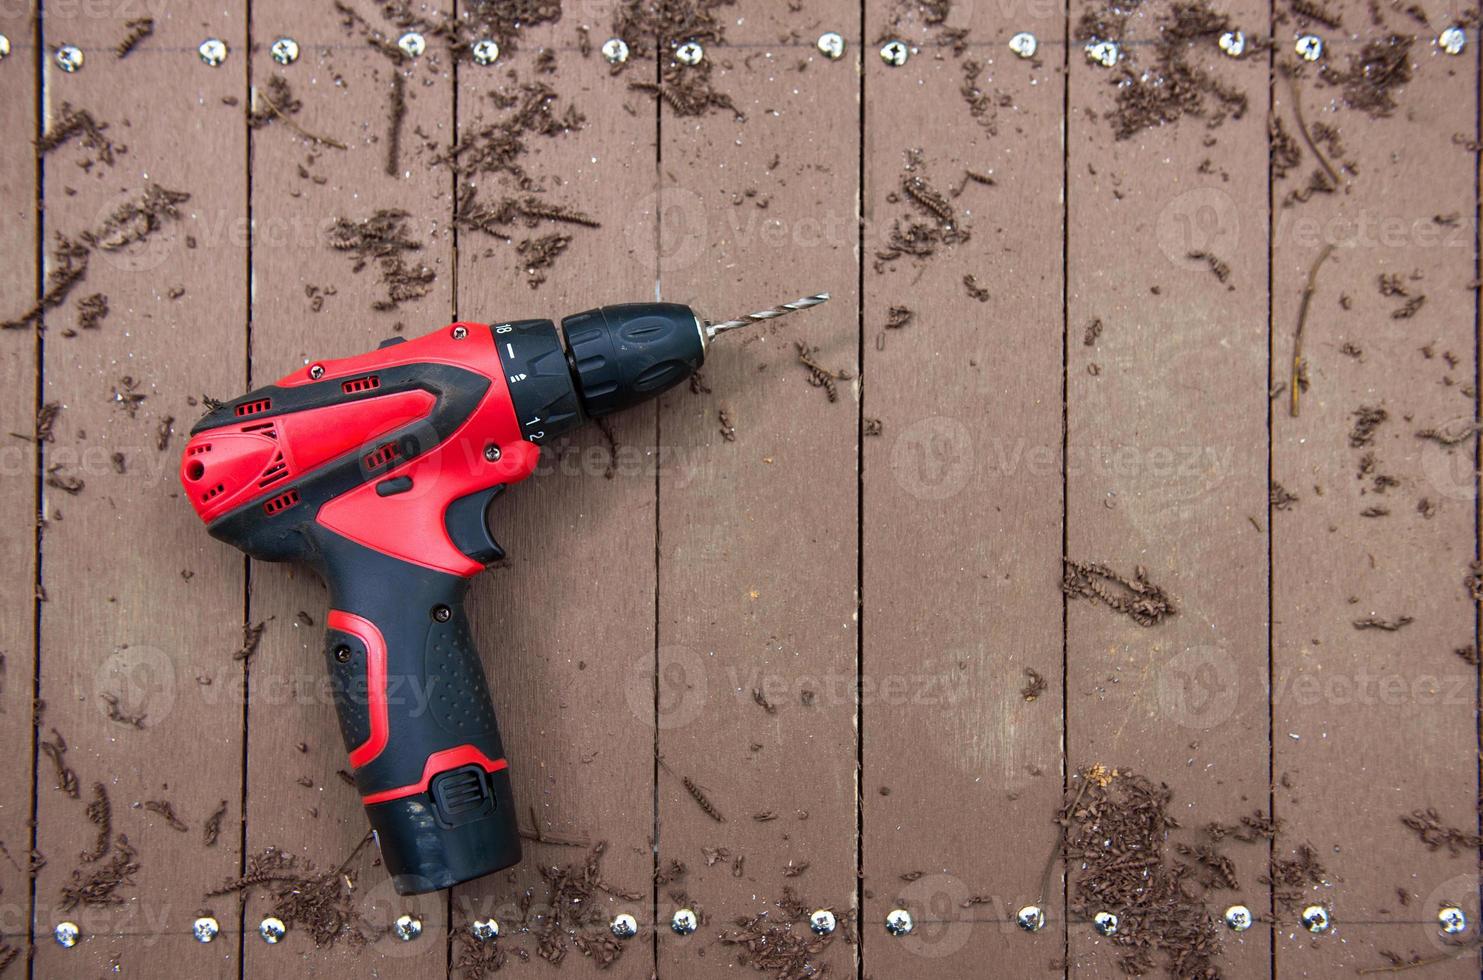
{"type": "Point", "coordinates": [711, 329]}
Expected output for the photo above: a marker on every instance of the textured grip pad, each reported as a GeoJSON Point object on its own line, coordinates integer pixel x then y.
{"type": "Point", "coordinates": [458, 693]}
{"type": "Point", "coordinates": [348, 685]}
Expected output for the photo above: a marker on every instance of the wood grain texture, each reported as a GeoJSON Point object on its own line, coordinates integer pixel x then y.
{"type": "Point", "coordinates": [758, 535]}
{"type": "Point", "coordinates": [570, 614]}
{"type": "Point", "coordinates": [1370, 725]}
{"type": "Point", "coordinates": [20, 198]}
{"type": "Point", "coordinates": [1166, 454]}
{"type": "Point", "coordinates": [962, 491]}
{"type": "Point", "coordinates": [299, 189]}
{"type": "Point", "coordinates": [140, 607]}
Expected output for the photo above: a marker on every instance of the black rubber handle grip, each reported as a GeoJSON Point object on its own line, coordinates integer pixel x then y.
{"type": "Point", "coordinates": [417, 718]}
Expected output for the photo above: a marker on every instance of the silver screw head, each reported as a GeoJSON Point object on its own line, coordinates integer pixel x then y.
{"type": "Point", "coordinates": [460, 332]}
{"type": "Point", "coordinates": [67, 934]}
{"type": "Point", "coordinates": [822, 922]}
{"type": "Point", "coordinates": [272, 930]}
{"type": "Point", "coordinates": [1453, 40]}
{"type": "Point", "coordinates": [412, 44]}
{"type": "Point", "coordinates": [684, 922]}
{"type": "Point", "coordinates": [316, 371]}
{"type": "Point", "coordinates": [69, 58]}
{"type": "Point", "coordinates": [1238, 918]}
{"type": "Point", "coordinates": [492, 453]}
{"type": "Point", "coordinates": [1030, 918]}
{"type": "Point", "coordinates": [689, 53]}
{"type": "Point", "coordinates": [205, 929]}
{"type": "Point", "coordinates": [484, 929]}
{"type": "Point", "coordinates": [895, 53]}
{"type": "Point", "coordinates": [831, 45]}
{"type": "Point", "coordinates": [1309, 47]}
{"type": "Point", "coordinates": [1233, 43]}
{"type": "Point", "coordinates": [4, 47]}
{"type": "Point", "coordinates": [1452, 919]}
{"type": "Point", "coordinates": [1024, 44]}
{"type": "Point", "coordinates": [1104, 53]}
{"type": "Point", "coordinates": [213, 51]}
{"type": "Point", "coordinates": [1315, 918]}
{"type": "Point", "coordinates": [615, 49]}
{"type": "Point", "coordinates": [407, 928]}
{"type": "Point", "coordinates": [624, 926]}
{"type": "Point", "coordinates": [285, 50]}
{"type": "Point", "coordinates": [485, 52]}
{"type": "Point", "coordinates": [898, 922]}
{"type": "Point", "coordinates": [1105, 923]}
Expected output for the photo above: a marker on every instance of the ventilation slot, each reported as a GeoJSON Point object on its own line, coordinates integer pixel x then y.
{"type": "Point", "coordinates": [277, 470]}
{"type": "Point", "coordinates": [357, 385]}
{"type": "Point", "coordinates": [254, 407]}
{"type": "Point", "coordinates": [262, 428]}
{"type": "Point", "coordinates": [204, 447]}
{"type": "Point", "coordinates": [215, 491]}
{"type": "Point", "coordinates": [383, 455]}
{"type": "Point", "coordinates": [282, 502]}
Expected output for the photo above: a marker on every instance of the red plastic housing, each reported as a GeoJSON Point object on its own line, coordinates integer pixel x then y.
{"type": "Point", "coordinates": [257, 461]}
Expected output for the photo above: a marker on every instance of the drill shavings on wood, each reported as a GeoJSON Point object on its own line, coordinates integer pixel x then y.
{"type": "Point", "coordinates": [650, 26]}
{"type": "Point", "coordinates": [1137, 598]}
{"type": "Point", "coordinates": [114, 706]}
{"type": "Point", "coordinates": [385, 239]}
{"type": "Point", "coordinates": [211, 829]}
{"type": "Point", "coordinates": [252, 635]}
{"type": "Point", "coordinates": [781, 943]}
{"type": "Point", "coordinates": [166, 811]}
{"type": "Point", "coordinates": [68, 266]}
{"type": "Point", "coordinates": [79, 124]}
{"type": "Point", "coordinates": [820, 376]}
{"type": "Point", "coordinates": [136, 31]}
{"type": "Point", "coordinates": [1384, 625]}
{"type": "Point", "coordinates": [396, 115]}
{"type": "Point", "coordinates": [56, 751]}
{"type": "Point", "coordinates": [100, 815]}
{"type": "Point", "coordinates": [321, 902]}
{"type": "Point", "coordinates": [97, 888]}
{"type": "Point", "coordinates": [1428, 827]}
{"type": "Point", "coordinates": [135, 220]}
{"type": "Point", "coordinates": [503, 21]}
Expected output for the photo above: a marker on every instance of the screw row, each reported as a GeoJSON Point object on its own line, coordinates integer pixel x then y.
{"type": "Point", "coordinates": [285, 50]}
{"type": "Point", "coordinates": [1451, 920]}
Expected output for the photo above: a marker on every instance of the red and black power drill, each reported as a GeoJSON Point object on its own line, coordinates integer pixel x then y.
{"type": "Point", "coordinates": [379, 471]}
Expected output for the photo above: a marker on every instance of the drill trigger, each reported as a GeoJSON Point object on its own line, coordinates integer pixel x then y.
{"type": "Point", "coordinates": [467, 521]}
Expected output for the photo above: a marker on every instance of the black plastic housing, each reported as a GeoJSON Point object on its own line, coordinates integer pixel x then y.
{"type": "Point", "coordinates": [625, 354]}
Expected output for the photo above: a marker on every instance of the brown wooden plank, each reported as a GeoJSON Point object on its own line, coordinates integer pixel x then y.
{"type": "Point", "coordinates": [1166, 456]}
{"type": "Point", "coordinates": [758, 535]}
{"type": "Point", "coordinates": [570, 616]}
{"type": "Point", "coordinates": [140, 605]}
{"type": "Point", "coordinates": [1371, 725]}
{"type": "Point", "coordinates": [21, 196]}
{"type": "Point", "coordinates": [345, 86]}
{"type": "Point", "coordinates": [962, 520]}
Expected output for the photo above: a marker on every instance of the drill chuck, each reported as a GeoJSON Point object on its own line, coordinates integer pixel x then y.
{"type": "Point", "coordinates": [600, 362]}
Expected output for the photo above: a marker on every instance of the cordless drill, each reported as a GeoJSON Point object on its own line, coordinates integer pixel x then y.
{"type": "Point", "coordinates": [378, 470]}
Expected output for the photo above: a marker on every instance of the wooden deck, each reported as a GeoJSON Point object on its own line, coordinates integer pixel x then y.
{"type": "Point", "coordinates": [1061, 532]}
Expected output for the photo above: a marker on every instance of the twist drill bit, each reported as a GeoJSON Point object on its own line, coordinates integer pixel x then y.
{"type": "Point", "coordinates": [711, 329]}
